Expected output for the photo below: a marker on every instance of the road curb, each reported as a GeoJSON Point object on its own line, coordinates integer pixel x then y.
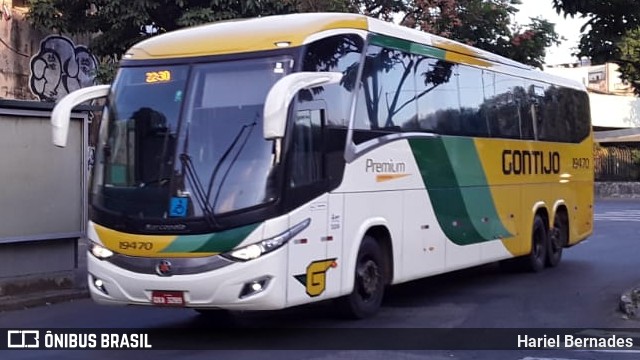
{"type": "Point", "coordinates": [630, 302]}
{"type": "Point", "coordinates": [25, 301]}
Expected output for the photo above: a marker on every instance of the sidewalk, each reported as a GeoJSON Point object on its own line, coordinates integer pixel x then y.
{"type": "Point", "coordinates": [630, 303]}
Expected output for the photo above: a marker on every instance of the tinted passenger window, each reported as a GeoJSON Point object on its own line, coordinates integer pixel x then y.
{"type": "Point", "coordinates": [307, 149]}
{"type": "Point", "coordinates": [583, 116]}
{"type": "Point", "coordinates": [504, 105]}
{"type": "Point", "coordinates": [561, 114]}
{"type": "Point", "coordinates": [472, 121]}
{"type": "Point", "coordinates": [340, 54]}
{"type": "Point", "coordinates": [386, 99]}
{"type": "Point", "coordinates": [437, 93]}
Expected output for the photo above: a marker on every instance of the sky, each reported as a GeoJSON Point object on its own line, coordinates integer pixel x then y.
{"type": "Point", "coordinates": [568, 28]}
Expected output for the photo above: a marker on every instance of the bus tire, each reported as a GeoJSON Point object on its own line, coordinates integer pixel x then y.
{"type": "Point", "coordinates": [558, 239]}
{"type": "Point", "coordinates": [536, 260]}
{"type": "Point", "coordinates": [369, 283]}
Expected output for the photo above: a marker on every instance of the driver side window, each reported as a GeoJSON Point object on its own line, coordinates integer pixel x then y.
{"type": "Point", "coordinates": [307, 163]}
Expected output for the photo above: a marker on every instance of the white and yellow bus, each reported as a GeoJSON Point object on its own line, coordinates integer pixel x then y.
{"type": "Point", "coordinates": [266, 163]}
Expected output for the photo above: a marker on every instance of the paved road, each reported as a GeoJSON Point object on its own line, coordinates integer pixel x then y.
{"type": "Point", "coordinates": [582, 293]}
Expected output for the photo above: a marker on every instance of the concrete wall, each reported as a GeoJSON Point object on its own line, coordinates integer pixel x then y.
{"type": "Point", "coordinates": [37, 65]}
{"type": "Point", "coordinates": [20, 42]}
{"type": "Point", "coordinates": [43, 209]}
{"type": "Point", "coordinates": [617, 190]}
{"type": "Point", "coordinates": [615, 111]}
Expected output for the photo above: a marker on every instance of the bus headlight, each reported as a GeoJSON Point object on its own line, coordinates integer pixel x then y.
{"type": "Point", "coordinates": [256, 250]}
{"type": "Point", "coordinates": [100, 251]}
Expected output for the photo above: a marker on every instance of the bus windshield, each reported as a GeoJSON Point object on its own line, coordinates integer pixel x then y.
{"type": "Point", "coordinates": [186, 140]}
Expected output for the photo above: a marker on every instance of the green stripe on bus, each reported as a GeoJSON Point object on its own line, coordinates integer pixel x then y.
{"type": "Point", "coordinates": [458, 189]}
{"type": "Point", "coordinates": [474, 188]}
{"type": "Point", "coordinates": [407, 46]}
{"type": "Point", "coordinates": [211, 243]}
{"type": "Point", "coordinates": [446, 197]}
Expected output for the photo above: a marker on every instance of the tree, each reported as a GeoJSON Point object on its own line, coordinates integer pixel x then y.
{"type": "Point", "coordinates": [611, 33]}
{"type": "Point", "coordinates": [118, 24]}
{"type": "Point", "coordinates": [629, 59]}
{"type": "Point", "coordinates": [485, 24]}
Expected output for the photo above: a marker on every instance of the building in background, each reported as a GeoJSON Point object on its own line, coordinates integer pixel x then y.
{"type": "Point", "coordinates": [613, 103]}
{"type": "Point", "coordinates": [603, 79]}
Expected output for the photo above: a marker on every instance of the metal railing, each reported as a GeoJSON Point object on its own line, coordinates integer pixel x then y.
{"type": "Point", "coordinates": [617, 164]}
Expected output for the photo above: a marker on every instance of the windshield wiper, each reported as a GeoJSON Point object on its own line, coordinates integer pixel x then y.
{"type": "Point", "coordinates": [187, 164]}
{"type": "Point", "coordinates": [223, 158]}
{"type": "Point", "coordinates": [192, 177]}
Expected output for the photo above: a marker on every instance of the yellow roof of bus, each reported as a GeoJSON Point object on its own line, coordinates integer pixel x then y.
{"type": "Point", "coordinates": [264, 33]}
{"type": "Point", "coordinates": [244, 35]}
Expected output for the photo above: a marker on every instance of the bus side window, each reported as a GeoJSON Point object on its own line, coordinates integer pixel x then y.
{"type": "Point", "coordinates": [437, 96]}
{"type": "Point", "coordinates": [583, 116]}
{"type": "Point", "coordinates": [340, 53]}
{"type": "Point", "coordinates": [307, 165]}
{"type": "Point", "coordinates": [539, 113]}
{"type": "Point", "coordinates": [387, 93]}
{"type": "Point", "coordinates": [526, 106]}
{"type": "Point", "coordinates": [471, 120]}
{"type": "Point", "coordinates": [504, 95]}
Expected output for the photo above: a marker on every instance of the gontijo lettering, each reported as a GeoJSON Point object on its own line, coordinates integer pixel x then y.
{"type": "Point", "coordinates": [525, 162]}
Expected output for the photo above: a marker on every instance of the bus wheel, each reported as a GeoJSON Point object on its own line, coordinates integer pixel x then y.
{"type": "Point", "coordinates": [558, 238]}
{"type": "Point", "coordinates": [368, 287]}
{"type": "Point", "coordinates": [536, 260]}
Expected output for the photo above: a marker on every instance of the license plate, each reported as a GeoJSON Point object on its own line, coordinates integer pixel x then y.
{"type": "Point", "coordinates": [167, 298]}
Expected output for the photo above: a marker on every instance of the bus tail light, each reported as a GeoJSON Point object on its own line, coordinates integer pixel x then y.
{"type": "Point", "coordinates": [256, 250]}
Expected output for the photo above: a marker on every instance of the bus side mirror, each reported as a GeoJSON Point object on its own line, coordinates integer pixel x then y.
{"type": "Point", "coordinates": [281, 95]}
{"type": "Point", "coordinates": [61, 114]}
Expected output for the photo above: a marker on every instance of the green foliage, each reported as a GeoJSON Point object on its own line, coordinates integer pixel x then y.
{"type": "Point", "coordinates": [529, 45]}
{"type": "Point", "coordinates": [217, 10]}
{"type": "Point", "coordinates": [629, 59]}
{"type": "Point", "coordinates": [611, 33]}
{"type": "Point", "coordinates": [326, 6]}
{"type": "Point", "coordinates": [115, 25]}
{"type": "Point", "coordinates": [107, 69]}
{"type": "Point", "coordinates": [485, 24]}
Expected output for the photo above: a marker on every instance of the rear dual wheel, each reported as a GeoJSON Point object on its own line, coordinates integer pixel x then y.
{"type": "Point", "coordinates": [537, 259]}
{"type": "Point", "coordinates": [546, 245]}
{"type": "Point", "coordinates": [558, 239]}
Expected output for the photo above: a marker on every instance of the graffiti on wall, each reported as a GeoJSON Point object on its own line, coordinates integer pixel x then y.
{"type": "Point", "coordinates": [61, 67]}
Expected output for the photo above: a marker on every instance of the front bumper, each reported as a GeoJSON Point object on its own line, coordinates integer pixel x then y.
{"type": "Point", "coordinates": [218, 288]}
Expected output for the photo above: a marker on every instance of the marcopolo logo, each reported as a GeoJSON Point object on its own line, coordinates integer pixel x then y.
{"type": "Point", "coordinates": [21, 339]}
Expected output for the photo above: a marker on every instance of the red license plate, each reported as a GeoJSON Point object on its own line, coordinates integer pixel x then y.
{"type": "Point", "coordinates": [167, 298]}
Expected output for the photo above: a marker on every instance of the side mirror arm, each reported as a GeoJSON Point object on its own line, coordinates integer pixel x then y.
{"type": "Point", "coordinates": [281, 95]}
{"type": "Point", "coordinates": [61, 115]}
